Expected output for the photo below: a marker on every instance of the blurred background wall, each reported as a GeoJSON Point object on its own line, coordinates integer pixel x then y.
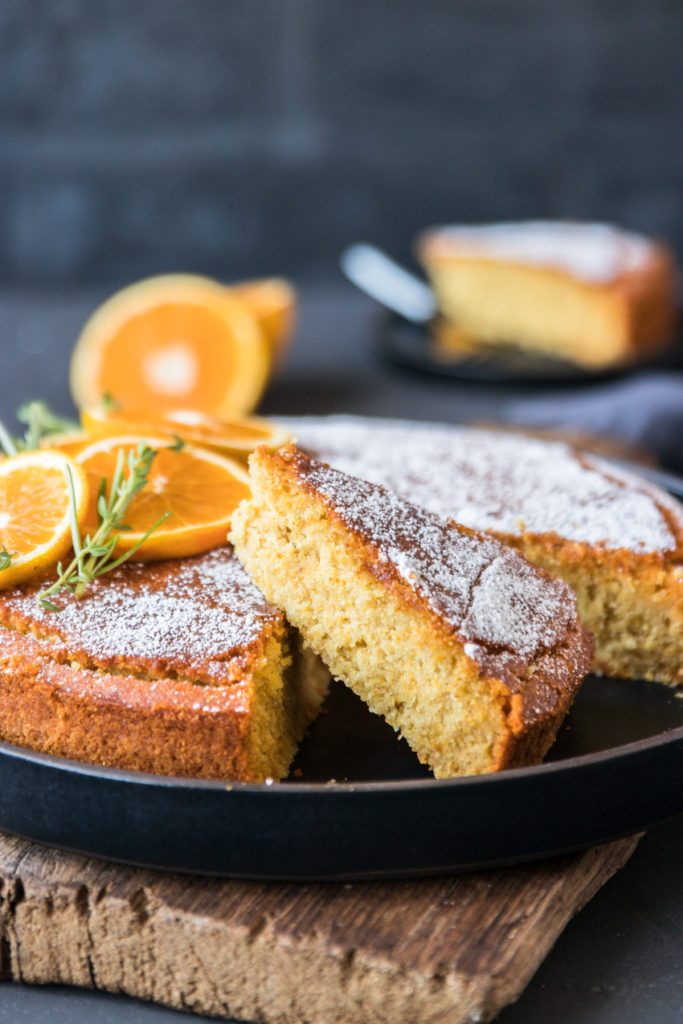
{"type": "Point", "coordinates": [243, 137]}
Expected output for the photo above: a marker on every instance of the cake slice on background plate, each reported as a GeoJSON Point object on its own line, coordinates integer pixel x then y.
{"type": "Point", "coordinates": [457, 640]}
{"type": "Point", "coordinates": [589, 293]}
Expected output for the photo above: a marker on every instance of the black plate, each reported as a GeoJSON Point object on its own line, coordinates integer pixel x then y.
{"type": "Point", "coordinates": [411, 346]}
{"type": "Point", "coordinates": [617, 768]}
{"type": "Point", "coordinates": [358, 804]}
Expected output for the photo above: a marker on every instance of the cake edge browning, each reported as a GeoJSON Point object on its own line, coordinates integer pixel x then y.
{"type": "Point", "coordinates": [530, 698]}
{"type": "Point", "coordinates": [241, 719]}
{"type": "Point", "coordinates": [160, 726]}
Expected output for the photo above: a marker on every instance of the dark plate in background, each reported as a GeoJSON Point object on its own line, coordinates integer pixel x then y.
{"type": "Point", "coordinates": [617, 768]}
{"type": "Point", "coordinates": [410, 346]}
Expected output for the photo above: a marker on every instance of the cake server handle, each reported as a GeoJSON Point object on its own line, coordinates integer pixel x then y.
{"type": "Point", "coordinates": [387, 282]}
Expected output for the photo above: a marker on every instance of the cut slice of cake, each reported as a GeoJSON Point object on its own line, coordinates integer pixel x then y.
{"type": "Point", "coordinates": [617, 540]}
{"type": "Point", "coordinates": [178, 667]}
{"type": "Point", "coordinates": [458, 641]}
{"type": "Point", "coordinates": [589, 293]}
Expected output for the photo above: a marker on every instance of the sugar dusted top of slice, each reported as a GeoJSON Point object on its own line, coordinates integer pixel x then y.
{"type": "Point", "coordinates": [596, 253]}
{"type": "Point", "coordinates": [498, 603]}
{"type": "Point", "coordinates": [198, 618]}
{"type": "Point", "coordinates": [498, 482]}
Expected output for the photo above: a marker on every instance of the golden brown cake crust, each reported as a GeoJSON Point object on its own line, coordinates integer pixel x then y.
{"type": "Point", "coordinates": [197, 618]}
{"type": "Point", "coordinates": [165, 726]}
{"type": "Point", "coordinates": [516, 625]}
{"type": "Point", "coordinates": [156, 668]}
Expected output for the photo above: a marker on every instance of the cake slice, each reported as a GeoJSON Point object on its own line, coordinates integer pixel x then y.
{"type": "Point", "coordinates": [617, 540]}
{"type": "Point", "coordinates": [589, 293]}
{"type": "Point", "coordinates": [458, 641]}
{"type": "Point", "coordinates": [178, 667]}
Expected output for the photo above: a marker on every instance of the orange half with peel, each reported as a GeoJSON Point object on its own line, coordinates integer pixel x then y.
{"type": "Point", "coordinates": [35, 523]}
{"type": "Point", "coordinates": [198, 489]}
{"type": "Point", "coordinates": [273, 301]}
{"type": "Point", "coordinates": [170, 341]}
{"type": "Point", "coordinates": [235, 437]}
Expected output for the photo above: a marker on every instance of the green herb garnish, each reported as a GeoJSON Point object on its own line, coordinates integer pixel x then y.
{"type": "Point", "coordinates": [109, 403]}
{"type": "Point", "coordinates": [7, 442]}
{"type": "Point", "coordinates": [40, 422]}
{"type": "Point", "coordinates": [6, 557]}
{"type": "Point", "coordinates": [94, 556]}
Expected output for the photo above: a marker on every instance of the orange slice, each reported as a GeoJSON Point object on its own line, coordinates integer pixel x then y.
{"type": "Point", "coordinates": [68, 443]}
{"type": "Point", "coordinates": [235, 437]}
{"type": "Point", "coordinates": [199, 488]}
{"type": "Point", "coordinates": [35, 527]}
{"type": "Point", "coordinates": [170, 341]}
{"type": "Point", "coordinates": [273, 301]}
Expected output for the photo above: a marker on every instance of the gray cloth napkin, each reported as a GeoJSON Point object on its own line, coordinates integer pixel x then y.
{"type": "Point", "coordinates": [647, 410]}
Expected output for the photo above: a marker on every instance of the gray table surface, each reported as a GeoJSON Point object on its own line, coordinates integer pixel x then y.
{"type": "Point", "coordinates": [620, 961]}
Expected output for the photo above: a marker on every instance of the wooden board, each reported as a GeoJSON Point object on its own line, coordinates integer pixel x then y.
{"type": "Point", "coordinates": [452, 949]}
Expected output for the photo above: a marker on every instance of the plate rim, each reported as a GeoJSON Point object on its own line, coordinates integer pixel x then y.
{"type": "Point", "coordinates": [668, 737]}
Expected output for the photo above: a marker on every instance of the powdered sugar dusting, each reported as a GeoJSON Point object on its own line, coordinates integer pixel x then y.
{"type": "Point", "coordinates": [495, 481]}
{"type": "Point", "coordinates": [192, 617]}
{"type": "Point", "coordinates": [488, 593]}
{"type": "Point", "coordinates": [593, 252]}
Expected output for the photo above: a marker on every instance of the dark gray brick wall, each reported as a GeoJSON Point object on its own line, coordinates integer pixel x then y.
{"type": "Point", "coordinates": [241, 137]}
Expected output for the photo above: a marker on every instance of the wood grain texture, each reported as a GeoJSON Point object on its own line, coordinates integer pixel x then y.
{"type": "Point", "coordinates": [454, 949]}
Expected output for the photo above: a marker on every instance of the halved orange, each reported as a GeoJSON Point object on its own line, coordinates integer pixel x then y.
{"type": "Point", "coordinates": [273, 301]}
{"type": "Point", "coordinates": [235, 437]}
{"type": "Point", "coordinates": [35, 526]}
{"type": "Point", "coordinates": [170, 341]}
{"type": "Point", "coordinates": [199, 489]}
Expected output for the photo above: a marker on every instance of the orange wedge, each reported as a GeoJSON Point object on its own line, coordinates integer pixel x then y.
{"type": "Point", "coordinates": [35, 527]}
{"type": "Point", "coordinates": [235, 437]}
{"type": "Point", "coordinates": [273, 302]}
{"type": "Point", "coordinates": [199, 489]}
{"type": "Point", "coordinates": [170, 341]}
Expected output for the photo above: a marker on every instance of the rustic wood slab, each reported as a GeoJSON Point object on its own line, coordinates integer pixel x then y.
{"type": "Point", "coordinates": [454, 949]}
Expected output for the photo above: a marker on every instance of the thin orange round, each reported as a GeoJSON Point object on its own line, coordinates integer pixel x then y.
{"type": "Point", "coordinates": [236, 437]}
{"type": "Point", "coordinates": [35, 526]}
{"type": "Point", "coordinates": [199, 489]}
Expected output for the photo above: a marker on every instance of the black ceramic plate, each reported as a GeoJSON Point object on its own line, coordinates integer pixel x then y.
{"type": "Point", "coordinates": [360, 805]}
{"type": "Point", "coordinates": [410, 346]}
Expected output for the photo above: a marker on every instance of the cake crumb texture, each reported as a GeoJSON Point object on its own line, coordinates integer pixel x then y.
{"type": "Point", "coordinates": [617, 540]}
{"type": "Point", "coordinates": [463, 646]}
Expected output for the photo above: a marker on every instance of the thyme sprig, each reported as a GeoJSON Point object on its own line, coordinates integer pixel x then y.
{"type": "Point", "coordinates": [94, 556]}
{"type": "Point", "coordinates": [7, 442]}
{"type": "Point", "coordinates": [6, 557]}
{"type": "Point", "coordinates": [40, 422]}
